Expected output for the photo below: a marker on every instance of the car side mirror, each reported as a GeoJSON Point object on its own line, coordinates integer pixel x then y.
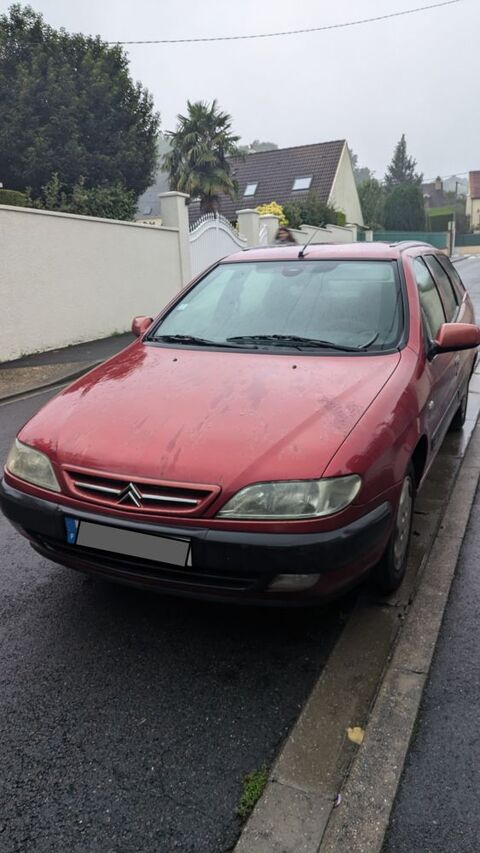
{"type": "Point", "coordinates": [140, 325]}
{"type": "Point", "coordinates": [456, 336]}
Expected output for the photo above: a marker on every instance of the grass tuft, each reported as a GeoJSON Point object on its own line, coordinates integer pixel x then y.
{"type": "Point", "coordinates": [253, 787]}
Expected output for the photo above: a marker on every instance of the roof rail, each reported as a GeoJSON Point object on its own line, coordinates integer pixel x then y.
{"type": "Point", "coordinates": [409, 244]}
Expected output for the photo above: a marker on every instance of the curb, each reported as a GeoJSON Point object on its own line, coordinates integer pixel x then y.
{"type": "Point", "coordinates": [63, 380]}
{"type": "Point", "coordinates": [372, 683]}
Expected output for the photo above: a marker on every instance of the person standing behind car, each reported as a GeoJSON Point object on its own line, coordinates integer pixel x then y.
{"type": "Point", "coordinates": [284, 236]}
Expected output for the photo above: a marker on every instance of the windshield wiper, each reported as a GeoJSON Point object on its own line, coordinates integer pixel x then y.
{"type": "Point", "coordinates": [192, 339]}
{"type": "Point", "coordinates": [299, 342]}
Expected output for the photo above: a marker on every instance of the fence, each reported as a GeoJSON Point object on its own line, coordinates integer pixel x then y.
{"type": "Point", "coordinates": [439, 239]}
{"type": "Point", "coordinates": [462, 240]}
{"type": "Point", "coordinates": [211, 238]}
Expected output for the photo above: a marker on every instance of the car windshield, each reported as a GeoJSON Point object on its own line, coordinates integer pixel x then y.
{"type": "Point", "coordinates": [350, 305]}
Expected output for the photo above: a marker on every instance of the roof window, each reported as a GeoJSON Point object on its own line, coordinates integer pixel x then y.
{"type": "Point", "coordinates": [251, 189]}
{"type": "Point", "coordinates": [302, 183]}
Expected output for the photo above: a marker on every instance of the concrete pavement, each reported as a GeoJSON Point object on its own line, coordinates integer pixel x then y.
{"type": "Point", "coordinates": [437, 808]}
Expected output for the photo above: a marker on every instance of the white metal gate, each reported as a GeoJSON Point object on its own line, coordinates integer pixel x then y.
{"type": "Point", "coordinates": [211, 238]}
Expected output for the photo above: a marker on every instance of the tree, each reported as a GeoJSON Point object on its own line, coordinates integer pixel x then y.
{"type": "Point", "coordinates": [404, 209]}
{"type": "Point", "coordinates": [256, 146]}
{"type": "Point", "coordinates": [69, 107]}
{"type": "Point", "coordinates": [401, 171]}
{"type": "Point", "coordinates": [372, 199]}
{"type": "Point", "coordinates": [310, 211]}
{"type": "Point", "coordinates": [198, 160]}
{"type": "Point", "coordinates": [360, 173]}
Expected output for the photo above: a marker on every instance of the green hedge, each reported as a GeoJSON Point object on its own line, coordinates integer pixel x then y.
{"type": "Point", "coordinates": [13, 197]}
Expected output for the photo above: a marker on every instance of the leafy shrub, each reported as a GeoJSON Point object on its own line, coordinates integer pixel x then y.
{"type": "Point", "coordinates": [310, 211]}
{"type": "Point", "coordinates": [272, 209]}
{"type": "Point", "coordinates": [13, 197]}
{"type": "Point", "coordinates": [109, 202]}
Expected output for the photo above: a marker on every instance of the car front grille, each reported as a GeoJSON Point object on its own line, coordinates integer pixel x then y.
{"type": "Point", "coordinates": [135, 495]}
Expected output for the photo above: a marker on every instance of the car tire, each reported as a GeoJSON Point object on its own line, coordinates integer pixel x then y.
{"type": "Point", "coordinates": [390, 571]}
{"type": "Point", "coordinates": [460, 415]}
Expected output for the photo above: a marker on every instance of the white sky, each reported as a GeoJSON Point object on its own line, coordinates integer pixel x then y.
{"type": "Point", "coordinates": [418, 74]}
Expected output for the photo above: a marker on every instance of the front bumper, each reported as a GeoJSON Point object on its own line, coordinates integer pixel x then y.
{"type": "Point", "coordinates": [225, 564]}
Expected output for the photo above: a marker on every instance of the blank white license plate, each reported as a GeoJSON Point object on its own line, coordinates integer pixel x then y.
{"type": "Point", "coordinates": [161, 549]}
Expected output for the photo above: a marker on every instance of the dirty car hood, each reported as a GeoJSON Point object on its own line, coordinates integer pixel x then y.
{"type": "Point", "coordinates": [216, 417]}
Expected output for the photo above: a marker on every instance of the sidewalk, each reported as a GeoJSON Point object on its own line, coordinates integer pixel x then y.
{"type": "Point", "coordinates": [49, 368]}
{"type": "Point", "coordinates": [437, 806]}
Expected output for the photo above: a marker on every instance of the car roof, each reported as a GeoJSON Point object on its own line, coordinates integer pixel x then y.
{"type": "Point", "coordinates": [316, 251]}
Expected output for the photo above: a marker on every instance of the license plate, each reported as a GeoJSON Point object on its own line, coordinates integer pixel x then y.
{"type": "Point", "coordinates": [130, 543]}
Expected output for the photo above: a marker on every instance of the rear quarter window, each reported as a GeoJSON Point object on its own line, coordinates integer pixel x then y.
{"type": "Point", "coordinates": [453, 275]}
{"type": "Point", "coordinates": [431, 304]}
{"type": "Point", "coordinates": [445, 287]}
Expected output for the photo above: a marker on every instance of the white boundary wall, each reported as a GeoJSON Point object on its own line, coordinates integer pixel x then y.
{"type": "Point", "coordinates": [67, 279]}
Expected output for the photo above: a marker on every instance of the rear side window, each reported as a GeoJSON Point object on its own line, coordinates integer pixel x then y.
{"type": "Point", "coordinates": [430, 301]}
{"type": "Point", "coordinates": [445, 288]}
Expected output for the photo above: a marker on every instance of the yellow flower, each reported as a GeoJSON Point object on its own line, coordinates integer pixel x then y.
{"type": "Point", "coordinates": [273, 209]}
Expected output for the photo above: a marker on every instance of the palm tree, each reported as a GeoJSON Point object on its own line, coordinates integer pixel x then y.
{"type": "Point", "coordinates": [198, 160]}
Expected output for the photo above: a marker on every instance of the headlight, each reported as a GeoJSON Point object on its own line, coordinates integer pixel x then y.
{"type": "Point", "coordinates": [293, 498]}
{"type": "Point", "coordinates": [32, 466]}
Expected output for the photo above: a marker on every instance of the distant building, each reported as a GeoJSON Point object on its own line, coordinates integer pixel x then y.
{"type": "Point", "coordinates": [473, 200]}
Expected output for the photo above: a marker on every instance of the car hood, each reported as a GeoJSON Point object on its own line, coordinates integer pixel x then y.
{"type": "Point", "coordinates": [213, 417]}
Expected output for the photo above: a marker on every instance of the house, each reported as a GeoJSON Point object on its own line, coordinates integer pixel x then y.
{"type": "Point", "coordinates": [286, 174]}
{"type": "Point", "coordinates": [434, 194]}
{"type": "Point", "coordinates": [473, 200]}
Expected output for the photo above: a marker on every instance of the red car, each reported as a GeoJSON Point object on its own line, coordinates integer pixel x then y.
{"type": "Point", "coordinates": [264, 438]}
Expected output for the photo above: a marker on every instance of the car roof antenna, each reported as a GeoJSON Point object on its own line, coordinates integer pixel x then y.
{"type": "Point", "coordinates": [301, 253]}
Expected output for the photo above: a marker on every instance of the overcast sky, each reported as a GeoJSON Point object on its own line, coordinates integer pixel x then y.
{"type": "Point", "coordinates": [418, 74]}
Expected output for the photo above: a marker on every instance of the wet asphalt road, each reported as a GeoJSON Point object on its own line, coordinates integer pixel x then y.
{"type": "Point", "coordinates": [128, 720]}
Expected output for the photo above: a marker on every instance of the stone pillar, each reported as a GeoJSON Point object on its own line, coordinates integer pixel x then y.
{"type": "Point", "coordinates": [369, 236]}
{"type": "Point", "coordinates": [249, 226]}
{"type": "Point", "coordinates": [272, 224]}
{"type": "Point", "coordinates": [174, 213]}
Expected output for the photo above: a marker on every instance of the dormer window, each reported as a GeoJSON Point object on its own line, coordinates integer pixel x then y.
{"type": "Point", "coordinates": [251, 189]}
{"type": "Point", "coordinates": [302, 183]}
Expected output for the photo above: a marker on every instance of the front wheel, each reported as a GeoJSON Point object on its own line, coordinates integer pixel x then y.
{"type": "Point", "coordinates": [390, 571]}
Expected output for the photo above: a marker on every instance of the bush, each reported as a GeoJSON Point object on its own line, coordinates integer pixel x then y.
{"type": "Point", "coordinates": [273, 209]}
{"type": "Point", "coordinates": [310, 211]}
{"type": "Point", "coordinates": [14, 198]}
{"type": "Point", "coordinates": [108, 202]}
